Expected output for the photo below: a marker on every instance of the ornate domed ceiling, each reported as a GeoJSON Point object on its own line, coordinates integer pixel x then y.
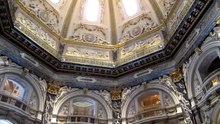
{"type": "Point", "coordinates": [101, 37]}
{"type": "Point", "coordinates": [106, 33]}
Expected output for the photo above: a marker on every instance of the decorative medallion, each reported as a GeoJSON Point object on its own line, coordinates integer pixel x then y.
{"type": "Point", "coordinates": [89, 38]}
{"type": "Point", "coordinates": [136, 31]}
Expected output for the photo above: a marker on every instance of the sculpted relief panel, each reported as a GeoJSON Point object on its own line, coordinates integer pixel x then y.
{"type": "Point", "coordinates": [137, 26]}
{"type": "Point", "coordinates": [87, 53]}
{"type": "Point", "coordinates": [35, 32]}
{"type": "Point", "coordinates": [155, 41]}
{"type": "Point", "coordinates": [90, 33]}
{"type": "Point", "coordinates": [166, 6]}
{"type": "Point", "coordinates": [43, 11]}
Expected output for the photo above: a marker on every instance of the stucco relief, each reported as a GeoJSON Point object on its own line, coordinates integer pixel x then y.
{"type": "Point", "coordinates": [137, 26]}
{"type": "Point", "coordinates": [148, 42]}
{"type": "Point", "coordinates": [34, 31]}
{"type": "Point", "coordinates": [90, 33]}
{"type": "Point", "coordinates": [43, 11]}
{"type": "Point", "coordinates": [166, 6]}
{"type": "Point", "coordinates": [64, 110]}
{"type": "Point", "coordinates": [63, 91]}
{"type": "Point", "coordinates": [87, 53]}
{"type": "Point", "coordinates": [105, 95]}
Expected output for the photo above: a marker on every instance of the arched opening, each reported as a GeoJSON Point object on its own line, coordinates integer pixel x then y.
{"type": "Point", "coordinates": [92, 10]}
{"type": "Point", "coordinates": [131, 7]}
{"type": "Point", "coordinates": [150, 104]}
{"type": "Point", "coordinates": [21, 94]}
{"type": "Point", "coordinates": [13, 88]}
{"type": "Point", "coordinates": [214, 65]}
{"type": "Point", "coordinates": [208, 65]}
{"type": "Point", "coordinates": [149, 101]}
{"type": "Point", "coordinates": [83, 110]}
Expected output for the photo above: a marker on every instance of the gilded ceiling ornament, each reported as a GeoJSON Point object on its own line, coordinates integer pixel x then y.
{"type": "Point", "coordinates": [116, 94]}
{"type": "Point", "coordinates": [176, 75]}
{"type": "Point", "coordinates": [53, 88]}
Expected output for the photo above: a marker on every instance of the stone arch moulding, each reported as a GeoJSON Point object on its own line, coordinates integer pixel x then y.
{"type": "Point", "coordinates": [9, 119]}
{"type": "Point", "coordinates": [80, 93]}
{"type": "Point", "coordinates": [215, 114]}
{"type": "Point", "coordinates": [29, 79]}
{"type": "Point", "coordinates": [207, 49]}
{"type": "Point", "coordinates": [142, 89]}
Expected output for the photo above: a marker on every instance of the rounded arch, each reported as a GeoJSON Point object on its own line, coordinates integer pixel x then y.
{"type": "Point", "coordinates": [79, 93]}
{"type": "Point", "coordinates": [12, 71]}
{"type": "Point", "coordinates": [207, 49]}
{"type": "Point", "coordinates": [145, 89]}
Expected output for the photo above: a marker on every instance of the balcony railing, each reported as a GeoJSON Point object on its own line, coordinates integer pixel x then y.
{"type": "Point", "coordinates": [210, 83]}
{"type": "Point", "coordinates": [19, 104]}
{"type": "Point", "coordinates": [81, 119]}
{"type": "Point", "coordinates": [153, 113]}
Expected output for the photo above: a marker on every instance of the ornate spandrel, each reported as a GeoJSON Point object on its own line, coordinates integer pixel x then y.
{"type": "Point", "coordinates": [177, 77]}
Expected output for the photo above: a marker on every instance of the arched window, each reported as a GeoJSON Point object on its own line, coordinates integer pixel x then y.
{"type": "Point", "coordinates": [14, 88]}
{"type": "Point", "coordinates": [80, 106]}
{"type": "Point", "coordinates": [81, 109]}
{"type": "Point", "coordinates": [149, 101]}
{"type": "Point", "coordinates": [131, 7]}
{"type": "Point", "coordinates": [4, 121]}
{"type": "Point", "coordinates": [92, 10]}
